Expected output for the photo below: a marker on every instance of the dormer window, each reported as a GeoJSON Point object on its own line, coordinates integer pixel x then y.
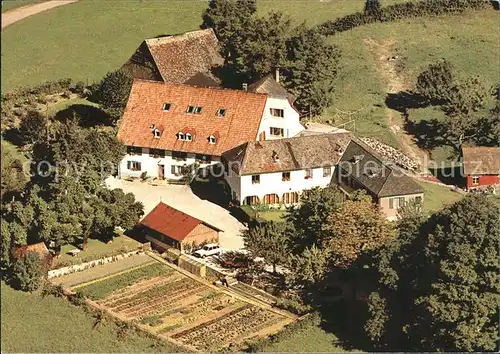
{"type": "Point", "coordinates": [157, 133]}
{"type": "Point", "coordinates": [194, 110]}
{"type": "Point", "coordinates": [188, 137]}
{"type": "Point", "coordinates": [212, 139]}
{"type": "Point", "coordinates": [181, 136]}
{"type": "Point", "coordinates": [166, 107]}
{"type": "Point", "coordinates": [221, 112]}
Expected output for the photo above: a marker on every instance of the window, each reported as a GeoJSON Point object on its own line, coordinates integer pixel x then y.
{"type": "Point", "coordinates": [179, 156]}
{"type": "Point", "coordinates": [276, 112]}
{"type": "Point", "coordinates": [194, 110]}
{"type": "Point", "coordinates": [133, 165]}
{"type": "Point", "coordinates": [327, 171]}
{"type": "Point", "coordinates": [308, 174]}
{"type": "Point", "coordinates": [418, 200]}
{"type": "Point", "coordinates": [181, 136]}
{"type": "Point", "coordinates": [276, 131]}
{"type": "Point", "coordinates": [188, 137]}
{"type": "Point", "coordinates": [221, 112]}
{"type": "Point", "coordinates": [285, 176]}
{"type": "Point", "coordinates": [203, 158]}
{"type": "Point", "coordinates": [395, 203]}
{"type": "Point", "coordinates": [175, 170]}
{"type": "Point", "coordinates": [211, 139]}
{"type": "Point", "coordinates": [156, 133]}
{"type": "Point", "coordinates": [475, 179]}
{"type": "Point", "coordinates": [134, 150]}
{"type": "Point", "coordinates": [290, 198]}
{"type": "Point", "coordinates": [157, 152]}
{"type": "Point", "coordinates": [166, 107]}
{"type": "Point", "coordinates": [256, 179]}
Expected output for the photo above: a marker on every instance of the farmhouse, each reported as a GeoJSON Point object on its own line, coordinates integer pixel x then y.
{"type": "Point", "coordinates": [167, 227]}
{"type": "Point", "coordinates": [177, 58]}
{"type": "Point", "coordinates": [480, 166]}
{"type": "Point", "coordinates": [172, 129]}
{"type": "Point", "coordinates": [389, 186]}
{"type": "Point", "coordinates": [277, 171]}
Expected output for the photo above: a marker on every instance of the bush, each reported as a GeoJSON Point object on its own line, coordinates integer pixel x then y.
{"type": "Point", "coordinates": [79, 88]}
{"type": "Point", "coordinates": [28, 272]}
{"type": "Point", "coordinates": [400, 11]}
{"type": "Point", "coordinates": [294, 306]}
{"type": "Point", "coordinates": [66, 94]}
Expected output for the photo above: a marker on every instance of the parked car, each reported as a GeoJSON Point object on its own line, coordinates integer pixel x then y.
{"type": "Point", "coordinates": [210, 249]}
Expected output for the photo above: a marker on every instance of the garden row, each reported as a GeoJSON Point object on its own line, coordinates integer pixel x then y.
{"type": "Point", "coordinates": [173, 305]}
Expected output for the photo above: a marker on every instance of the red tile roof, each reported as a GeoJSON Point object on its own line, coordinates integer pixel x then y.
{"type": "Point", "coordinates": [481, 160]}
{"type": "Point", "coordinates": [40, 248]}
{"type": "Point", "coordinates": [172, 222]}
{"type": "Point", "coordinates": [240, 124]}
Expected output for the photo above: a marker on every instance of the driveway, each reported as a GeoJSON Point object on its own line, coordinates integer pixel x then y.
{"type": "Point", "coordinates": [183, 199]}
{"type": "Point", "coordinates": [22, 12]}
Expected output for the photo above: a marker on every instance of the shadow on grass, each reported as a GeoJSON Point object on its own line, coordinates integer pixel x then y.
{"type": "Point", "coordinates": [449, 175]}
{"type": "Point", "coordinates": [429, 134]}
{"type": "Point", "coordinates": [404, 100]}
{"type": "Point", "coordinates": [88, 116]}
{"type": "Point", "coordinates": [13, 136]}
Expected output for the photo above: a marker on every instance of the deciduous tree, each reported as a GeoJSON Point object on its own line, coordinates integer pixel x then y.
{"type": "Point", "coordinates": [309, 219]}
{"type": "Point", "coordinates": [33, 127]}
{"type": "Point", "coordinates": [439, 284]}
{"type": "Point", "coordinates": [28, 272]}
{"type": "Point", "coordinates": [356, 227]}
{"type": "Point", "coordinates": [269, 241]}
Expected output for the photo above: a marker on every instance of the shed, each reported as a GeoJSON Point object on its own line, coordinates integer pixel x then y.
{"type": "Point", "coordinates": [167, 227]}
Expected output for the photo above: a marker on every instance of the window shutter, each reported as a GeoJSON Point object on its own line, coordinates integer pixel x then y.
{"type": "Point", "coordinates": [391, 203]}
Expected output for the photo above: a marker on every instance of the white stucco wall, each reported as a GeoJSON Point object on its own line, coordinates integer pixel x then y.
{"type": "Point", "coordinates": [289, 123]}
{"type": "Point", "coordinates": [149, 164]}
{"type": "Point", "coordinates": [271, 183]}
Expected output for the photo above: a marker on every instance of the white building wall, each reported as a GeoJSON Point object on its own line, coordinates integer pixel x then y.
{"type": "Point", "coordinates": [271, 183]}
{"type": "Point", "coordinates": [289, 123]}
{"type": "Point", "coordinates": [149, 164]}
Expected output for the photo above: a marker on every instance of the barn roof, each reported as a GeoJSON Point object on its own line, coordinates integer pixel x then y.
{"type": "Point", "coordinates": [172, 222]}
{"type": "Point", "coordinates": [239, 123]}
{"type": "Point", "coordinates": [176, 58]}
{"type": "Point", "coordinates": [481, 160]}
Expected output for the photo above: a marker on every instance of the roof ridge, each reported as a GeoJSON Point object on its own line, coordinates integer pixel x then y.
{"type": "Point", "coordinates": [179, 36]}
{"type": "Point", "coordinates": [198, 87]}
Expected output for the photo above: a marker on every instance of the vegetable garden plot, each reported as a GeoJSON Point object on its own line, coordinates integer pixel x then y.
{"type": "Point", "coordinates": [173, 305]}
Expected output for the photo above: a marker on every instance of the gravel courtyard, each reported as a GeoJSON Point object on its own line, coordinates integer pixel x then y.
{"type": "Point", "coordinates": [183, 199]}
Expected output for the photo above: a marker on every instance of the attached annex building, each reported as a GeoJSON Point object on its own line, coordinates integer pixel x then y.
{"type": "Point", "coordinates": [278, 172]}
{"type": "Point", "coordinates": [173, 128]}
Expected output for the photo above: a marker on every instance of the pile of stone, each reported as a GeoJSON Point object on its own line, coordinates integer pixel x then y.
{"type": "Point", "coordinates": [391, 154]}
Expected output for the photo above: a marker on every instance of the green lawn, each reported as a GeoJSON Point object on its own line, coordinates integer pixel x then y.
{"type": "Point", "coordinates": [436, 197]}
{"type": "Point", "coordinates": [271, 215]}
{"type": "Point", "coordinates": [310, 339]}
{"type": "Point", "coordinates": [12, 4]}
{"type": "Point", "coordinates": [465, 40]}
{"type": "Point", "coordinates": [89, 38]}
{"type": "Point", "coordinates": [31, 323]}
{"type": "Point", "coordinates": [65, 104]}
{"type": "Point", "coordinates": [102, 288]}
{"type": "Point", "coordinates": [96, 249]}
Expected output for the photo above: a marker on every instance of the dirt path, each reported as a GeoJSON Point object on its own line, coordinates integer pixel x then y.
{"type": "Point", "coordinates": [20, 13]}
{"type": "Point", "coordinates": [396, 82]}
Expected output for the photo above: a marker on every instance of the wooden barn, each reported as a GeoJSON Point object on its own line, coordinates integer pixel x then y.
{"type": "Point", "coordinates": [166, 227]}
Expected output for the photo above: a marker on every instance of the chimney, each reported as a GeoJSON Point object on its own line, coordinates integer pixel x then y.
{"type": "Point", "coordinates": [245, 86]}
{"type": "Point", "coordinates": [277, 74]}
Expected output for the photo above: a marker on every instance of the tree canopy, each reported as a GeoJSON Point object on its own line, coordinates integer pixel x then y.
{"type": "Point", "coordinates": [439, 286]}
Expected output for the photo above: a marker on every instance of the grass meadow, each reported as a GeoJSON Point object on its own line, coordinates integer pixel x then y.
{"type": "Point", "coordinates": [31, 323]}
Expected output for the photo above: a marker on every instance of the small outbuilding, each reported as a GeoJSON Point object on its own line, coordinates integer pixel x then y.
{"type": "Point", "coordinates": [39, 248]}
{"type": "Point", "coordinates": [166, 227]}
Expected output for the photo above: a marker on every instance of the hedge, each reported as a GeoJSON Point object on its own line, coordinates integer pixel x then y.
{"type": "Point", "coordinates": [400, 11]}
